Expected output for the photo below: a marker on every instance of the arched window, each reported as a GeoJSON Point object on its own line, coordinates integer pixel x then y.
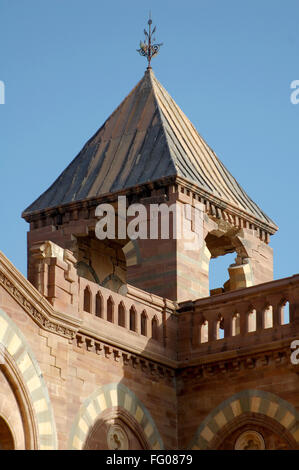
{"type": "Point", "coordinates": [132, 319]}
{"type": "Point", "coordinates": [110, 310]}
{"type": "Point", "coordinates": [144, 323]}
{"type": "Point", "coordinates": [99, 304]}
{"type": "Point", "coordinates": [220, 327]}
{"type": "Point", "coordinates": [121, 315]}
{"type": "Point", "coordinates": [155, 328]}
{"type": "Point", "coordinates": [251, 321]}
{"type": "Point", "coordinates": [236, 324]}
{"type": "Point", "coordinates": [285, 313]}
{"type": "Point", "coordinates": [87, 300]}
{"type": "Point", "coordinates": [204, 332]}
{"type": "Point", "coordinates": [268, 317]}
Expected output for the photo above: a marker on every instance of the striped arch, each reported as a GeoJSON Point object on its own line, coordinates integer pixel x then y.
{"type": "Point", "coordinates": [132, 253]}
{"type": "Point", "coordinates": [106, 397]}
{"type": "Point", "coordinates": [254, 401]}
{"type": "Point", "coordinates": [17, 348]}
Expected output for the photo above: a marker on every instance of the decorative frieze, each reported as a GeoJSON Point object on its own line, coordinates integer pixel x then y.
{"type": "Point", "coordinates": [232, 366]}
{"type": "Point", "coordinates": [38, 315]}
{"type": "Point", "coordinates": [123, 358]}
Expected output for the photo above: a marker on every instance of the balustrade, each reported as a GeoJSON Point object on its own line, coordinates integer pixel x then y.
{"type": "Point", "coordinates": [120, 310]}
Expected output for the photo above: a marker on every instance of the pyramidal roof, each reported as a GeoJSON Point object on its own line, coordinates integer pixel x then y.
{"type": "Point", "coordinates": [147, 138]}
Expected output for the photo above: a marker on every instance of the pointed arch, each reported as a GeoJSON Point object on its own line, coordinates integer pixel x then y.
{"type": "Point", "coordinates": [133, 318]}
{"type": "Point", "coordinates": [121, 314]}
{"type": "Point", "coordinates": [267, 316]}
{"type": "Point", "coordinates": [285, 311]}
{"type": "Point", "coordinates": [204, 332]}
{"type": "Point", "coordinates": [155, 332]}
{"type": "Point", "coordinates": [143, 323]}
{"type": "Point", "coordinates": [110, 309]}
{"type": "Point", "coordinates": [87, 300]}
{"type": "Point", "coordinates": [236, 325]}
{"type": "Point", "coordinates": [99, 305]}
{"type": "Point", "coordinates": [247, 401]}
{"type": "Point", "coordinates": [23, 371]}
{"type": "Point", "coordinates": [219, 327]}
{"type": "Point", "coordinates": [111, 396]}
{"type": "Point", "coordinates": [251, 320]}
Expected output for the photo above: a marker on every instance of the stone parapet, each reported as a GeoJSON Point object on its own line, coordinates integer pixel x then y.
{"type": "Point", "coordinates": [241, 320]}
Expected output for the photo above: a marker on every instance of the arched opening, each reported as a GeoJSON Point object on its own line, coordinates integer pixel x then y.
{"type": "Point", "coordinates": [99, 305]}
{"type": "Point", "coordinates": [285, 313]}
{"type": "Point", "coordinates": [204, 332]}
{"type": "Point", "coordinates": [87, 300]}
{"type": "Point", "coordinates": [251, 321]}
{"type": "Point", "coordinates": [220, 327]}
{"type": "Point", "coordinates": [268, 317]}
{"type": "Point", "coordinates": [155, 328]}
{"type": "Point", "coordinates": [132, 319]}
{"type": "Point", "coordinates": [6, 437]}
{"type": "Point", "coordinates": [223, 255]}
{"type": "Point", "coordinates": [236, 324]}
{"type": "Point", "coordinates": [218, 272]}
{"type": "Point", "coordinates": [94, 257]}
{"type": "Point", "coordinates": [144, 323]}
{"type": "Point", "coordinates": [121, 315]}
{"type": "Point", "coordinates": [110, 310]}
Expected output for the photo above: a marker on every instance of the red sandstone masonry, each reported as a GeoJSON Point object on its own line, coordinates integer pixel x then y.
{"type": "Point", "coordinates": [102, 352]}
{"type": "Point", "coordinates": [242, 302]}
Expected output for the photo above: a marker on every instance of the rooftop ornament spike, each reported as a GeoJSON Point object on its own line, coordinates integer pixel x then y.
{"type": "Point", "coordinates": [147, 48]}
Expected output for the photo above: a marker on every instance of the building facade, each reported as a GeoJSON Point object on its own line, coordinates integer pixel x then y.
{"type": "Point", "coordinates": [118, 343]}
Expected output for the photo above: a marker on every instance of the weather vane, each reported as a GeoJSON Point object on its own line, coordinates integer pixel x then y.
{"type": "Point", "coordinates": [147, 48]}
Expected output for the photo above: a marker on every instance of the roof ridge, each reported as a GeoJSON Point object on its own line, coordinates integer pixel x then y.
{"type": "Point", "coordinates": [240, 198]}
{"type": "Point", "coordinates": [155, 83]}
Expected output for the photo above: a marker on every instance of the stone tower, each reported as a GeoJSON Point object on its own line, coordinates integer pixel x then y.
{"type": "Point", "coordinates": [115, 343]}
{"type": "Point", "coordinates": [149, 152]}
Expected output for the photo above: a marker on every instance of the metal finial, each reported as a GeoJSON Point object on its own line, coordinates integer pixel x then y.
{"type": "Point", "coordinates": [147, 49]}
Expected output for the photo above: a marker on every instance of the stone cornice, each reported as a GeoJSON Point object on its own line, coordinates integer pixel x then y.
{"type": "Point", "coordinates": [271, 228]}
{"type": "Point", "coordinates": [113, 341]}
{"type": "Point", "coordinates": [94, 201]}
{"type": "Point", "coordinates": [148, 364]}
{"type": "Point", "coordinates": [220, 205]}
{"type": "Point", "coordinates": [226, 365]}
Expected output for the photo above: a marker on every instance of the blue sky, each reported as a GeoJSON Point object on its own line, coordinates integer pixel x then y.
{"type": "Point", "coordinates": [67, 64]}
